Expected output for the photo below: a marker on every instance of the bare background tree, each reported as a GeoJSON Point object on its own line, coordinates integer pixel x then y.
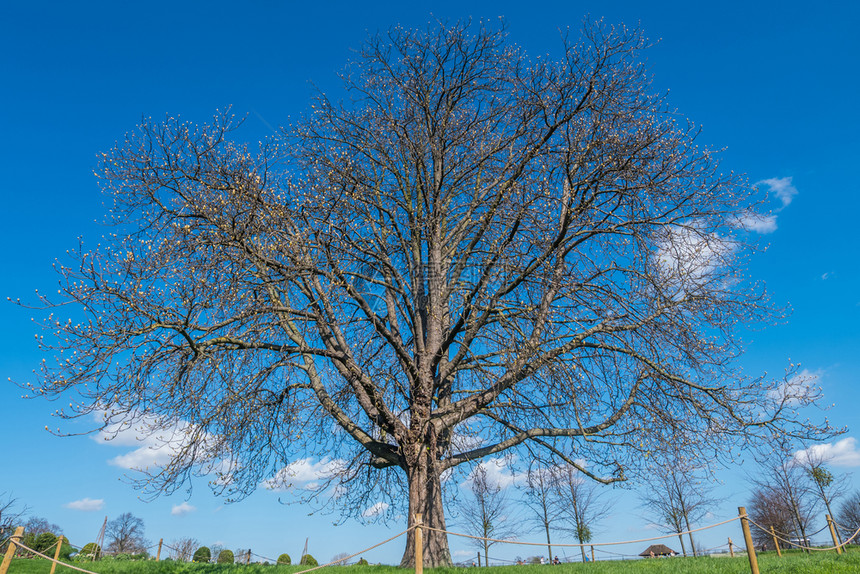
{"type": "Point", "coordinates": [848, 518]}
{"type": "Point", "coordinates": [125, 534]}
{"type": "Point", "coordinates": [827, 487]}
{"type": "Point", "coordinates": [340, 556]}
{"type": "Point", "coordinates": [12, 514]}
{"type": "Point", "coordinates": [474, 242]}
{"type": "Point", "coordinates": [216, 548]}
{"type": "Point", "coordinates": [539, 492]}
{"type": "Point", "coordinates": [678, 495]}
{"type": "Point", "coordinates": [768, 509]}
{"type": "Point", "coordinates": [36, 525]}
{"type": "Point", "coordinates": [487, 512]}
{"type": "Point", "coordinates": [581, 504]}
{"type": "Point", "coordinates": [182, 549]}
{"type": "Point", "coordinates": [784, 477]}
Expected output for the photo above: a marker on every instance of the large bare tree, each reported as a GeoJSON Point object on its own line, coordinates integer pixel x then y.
{"type": "Point", "coordinates": [474, 251]}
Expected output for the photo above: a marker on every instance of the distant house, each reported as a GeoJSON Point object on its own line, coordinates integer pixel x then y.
{"type": "Point", "coordinates": [657, 550]}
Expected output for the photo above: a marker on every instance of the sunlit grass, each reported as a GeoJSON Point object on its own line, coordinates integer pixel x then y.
{"type": "Point", "coordinates": [816, 563]}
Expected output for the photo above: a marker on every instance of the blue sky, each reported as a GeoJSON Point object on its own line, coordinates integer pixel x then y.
{"type": "Point", "coordinates": [775, 84]}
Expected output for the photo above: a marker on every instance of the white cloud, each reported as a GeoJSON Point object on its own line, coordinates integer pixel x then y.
{"type": "Point", "coordinates": [303, 473]}
{"type": "Point", "coordinates": [826, 276]}
{"type": "Point", "coordinates": [687, 255]}
{"type": "Point", "coordinates": [463, 554]}
{"type": "Point", "coordinates": [797, 389]}
{"type": "Point", "coordinates": [781, 187]}
{"type": "Point", "coordinates": [86, 504]}
{"type": "Point", "coordinates": [756, 222]}
{"type": "Point", "coordinates": [182, 509]}
{"type": "Point", "coordinates": [376, 510]}
{"type": "Point", "coordinates": [143, 458]}
{"type": "Point", "coordinates": [498, 472]}
{"type": "Point", "coordinates": [158, 441]}
{"type": "Point", "coordinates": [840, 453]}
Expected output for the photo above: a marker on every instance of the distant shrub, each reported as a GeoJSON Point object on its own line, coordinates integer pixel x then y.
{"type": "Point", "coordinates": [202, 554]}
{"type": "Point", "coordinates": [362, 562]}
{"type": "Point", "coordinates": [284, 559]}
{"type": "Point", "coordinates": [308, 560]}
{"type": "Point", "coordinates": [225, 557]}
{"type": "Point", "coordinates": [43, 541]}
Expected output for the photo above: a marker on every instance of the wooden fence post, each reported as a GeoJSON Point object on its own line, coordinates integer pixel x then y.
{"type": "Point", "coordinates": [10, 551]}
{"type": "Point", "coordinates": [57, 553]}
{"type": "Point", "coordinates": [158, 555]}
{"type": "Point", "coordinates": [731, 548]}
{"type": "Point", "coordinates": [775, 542]}
{"type": "Point", "coordinates": [592, 553]}
{"type": "Point", "coordinates": [479, 559]}
{"type": "Point", "coordinates": [745, 525]}
{"type": "Point", "coordinates": [833, 534]}
{"type": "Point", "coordinates": [419, 545]}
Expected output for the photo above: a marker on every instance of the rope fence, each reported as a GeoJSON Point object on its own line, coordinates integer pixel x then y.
{"type": "Point", "coordinates": [345, 558]}
{"type": "Point", "coordinates": [14, 542]}
{"type": "Point", "coordinates": [586, 544]}
{"type": "Point", "coordinates": [802, 547]}
{"type": "Point", "coordinates": [744, 519]}
{"type": "Point", "coordinates": [60, 562]}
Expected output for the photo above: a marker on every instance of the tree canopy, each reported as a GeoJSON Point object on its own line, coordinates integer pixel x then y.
{"type": "Point", "coordinates": [476, 251]}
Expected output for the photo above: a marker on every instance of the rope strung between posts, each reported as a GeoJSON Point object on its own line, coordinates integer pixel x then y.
{"type": "Point", "coordinates": [768, 532]}
{"type": "Point", "coordinates": [345, 558]}
{"type": "Point", "coordinates": [809, 535]}
{"type": "Point", "coordinates": [674, 534]}
{"type": "Point", "coordinates": [182, 554]}
{"type": "Point", "coordinates": [263, 557]}
{"type": "Point", "coordinates": [623, 555]}
{"type": "Point", "coordinates": [709, 550]}
{"type": "Point", "coordinates": [841, 526]}
{"type": "Point", "coordinates": [61, 563]}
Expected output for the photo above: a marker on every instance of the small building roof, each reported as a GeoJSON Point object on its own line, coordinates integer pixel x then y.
{"type": "Point", "coordinates": [658, 550]}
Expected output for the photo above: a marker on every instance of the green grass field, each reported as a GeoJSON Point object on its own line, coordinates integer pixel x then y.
{"type": "Point", "coordinates": [817, 563]}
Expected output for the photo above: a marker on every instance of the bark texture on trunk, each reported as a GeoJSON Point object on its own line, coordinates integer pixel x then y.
{"type": "Point", "coordinates": [681, 539]}
{"type": "Point", "coordinates": [425, 498]}
{"type": "Point", "coordinates": [548, 543]}
{"type": "Point", "coordinates": [690, 534]}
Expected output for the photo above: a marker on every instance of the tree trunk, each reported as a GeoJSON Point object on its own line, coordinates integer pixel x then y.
{"type": "Point", "coordinates": [425, 498]}
{"type": "Point", "coordinates": [803, 539]}
{"type": "Point", "coordinates": [681, 538]}
{"type": "Point", "coordinates": [548, 543]}
{"type": "Point", "coordinates": [690, 534]}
